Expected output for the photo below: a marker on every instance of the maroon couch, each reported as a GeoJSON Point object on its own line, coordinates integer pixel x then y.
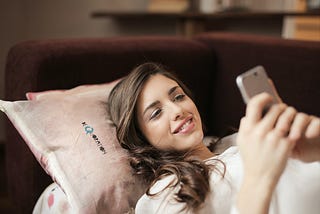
{"type": "Point", "coordinates": [208, 63]}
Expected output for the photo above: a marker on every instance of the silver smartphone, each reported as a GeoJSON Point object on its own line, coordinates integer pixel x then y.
{"type": "Point", "coordinates": [256, 81]}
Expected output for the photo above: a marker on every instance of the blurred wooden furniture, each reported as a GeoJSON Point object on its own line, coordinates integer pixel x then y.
{"type": "Point", "coordinates": [303, 28]}
{"type": "Point", "coordinates": [191, 23]}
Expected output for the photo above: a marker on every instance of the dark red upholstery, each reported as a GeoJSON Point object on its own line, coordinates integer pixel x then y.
{"type": "Point", "coordinates": [294, 67]}
{"type": "Point", "coordinates": [207, 63]}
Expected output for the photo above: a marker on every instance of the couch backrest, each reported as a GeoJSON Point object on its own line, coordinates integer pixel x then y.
{"type": "Point", "coordinates": [294, 67]}
{"type": "Point", "coordinates": [63, 64]}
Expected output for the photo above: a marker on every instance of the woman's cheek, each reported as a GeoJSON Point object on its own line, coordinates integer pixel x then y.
{"type": "Point", "coordinates": [157, 132]}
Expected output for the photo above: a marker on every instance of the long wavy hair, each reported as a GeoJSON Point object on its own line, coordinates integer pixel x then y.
{"type": "Point", "coordinates": [148, 162]}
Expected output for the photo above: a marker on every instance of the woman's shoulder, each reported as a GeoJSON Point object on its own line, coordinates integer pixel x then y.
{"type": "Point", "coordinates": [227, 168]}
{"type": "Point", "coordinates": [166, 182]}
{"type": "Point", "coordinates": [227, 151]}
{"type": "Point", "coordinates": [230, 156]}
{"type": "Point", "coordinates": [163, 200]}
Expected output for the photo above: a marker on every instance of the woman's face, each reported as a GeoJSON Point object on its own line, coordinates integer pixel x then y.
{"type": "Point", "coordinates": [167, 117]}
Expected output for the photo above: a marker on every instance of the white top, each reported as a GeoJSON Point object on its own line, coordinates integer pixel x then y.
{"type": "Point", "coordinates": [298, 190]}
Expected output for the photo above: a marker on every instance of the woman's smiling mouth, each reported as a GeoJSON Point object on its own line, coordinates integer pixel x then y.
{"type": "Point", "coordinates": [184, 127]}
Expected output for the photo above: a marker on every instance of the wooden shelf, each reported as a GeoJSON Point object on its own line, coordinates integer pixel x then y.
{"type": "Point", "coordinates": [190, 23]}
{"type": "Point", "coordinates": [198, 15]}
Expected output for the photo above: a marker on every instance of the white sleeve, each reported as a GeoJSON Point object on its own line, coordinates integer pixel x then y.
{"type": "Point", "coordinates": [234, 210]}
{"type": "Point", "coordinates": [162, 203]}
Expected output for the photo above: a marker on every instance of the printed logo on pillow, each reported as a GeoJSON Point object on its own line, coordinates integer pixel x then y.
{"type": "Point", "coordinates": [89, 130]}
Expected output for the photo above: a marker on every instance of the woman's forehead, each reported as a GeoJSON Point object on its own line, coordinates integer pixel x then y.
{"type": "Point", "coordinates": [157, 83]}
{"type": "Point", "coordinates": [155, 87]}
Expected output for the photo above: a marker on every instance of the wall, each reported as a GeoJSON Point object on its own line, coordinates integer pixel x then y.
{"type": "Point", "coordinates": [71, 18]}
{"type": "Point", "coordinates": [40, 19]}
{"type": "Point", "coordinates": [11, 16]}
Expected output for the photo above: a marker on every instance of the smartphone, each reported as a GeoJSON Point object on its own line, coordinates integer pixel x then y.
{"type": "Point", "coordinates": [256, 81]}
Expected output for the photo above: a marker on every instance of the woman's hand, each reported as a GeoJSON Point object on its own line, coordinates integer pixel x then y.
{"type": "Point", "coordinates": [266, 143]}
{"type": "Point", "coordinates": [306, 131]}
{"type": "Point", "coordinates": [264, 148]}
{"type": "Point", "coordinates": [263, 140]}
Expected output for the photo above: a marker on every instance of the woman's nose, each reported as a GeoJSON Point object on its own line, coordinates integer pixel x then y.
{"type": "Point", "coordinates": [176, 111]}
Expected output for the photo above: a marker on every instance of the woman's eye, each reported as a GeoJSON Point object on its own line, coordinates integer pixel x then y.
{"type": "Point", "coordinates": [179, 97]}
{"type": "Point", "coordinates": [155, 114]}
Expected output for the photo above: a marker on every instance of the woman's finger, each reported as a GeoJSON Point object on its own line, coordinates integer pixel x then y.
{"type": "Point", "coordinates": [285, 120]}
{"type": "Point", "coordinates": [270, 119]}
{"type": "Point", "coordinates": [255, 107]}
{"type": "Point", "coordinates": [313, 130]}
{"type": "Point", "coordinates": [299, 126]}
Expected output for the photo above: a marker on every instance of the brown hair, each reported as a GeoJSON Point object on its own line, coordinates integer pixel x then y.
{"type": "Point", "coordinates": [147, 161]}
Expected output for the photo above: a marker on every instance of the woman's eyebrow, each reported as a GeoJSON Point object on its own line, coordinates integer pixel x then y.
{"type": "Point", "coordinates": [171, 90]}
{"type": "Point", "coordinates": [151, 106]}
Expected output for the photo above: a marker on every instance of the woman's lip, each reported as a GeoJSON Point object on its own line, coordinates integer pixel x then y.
{"type": "Point", "coordinates": [188, 128]}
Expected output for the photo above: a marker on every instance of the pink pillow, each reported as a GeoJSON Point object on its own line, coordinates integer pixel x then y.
{"type": "Point", "coordinates": [100, 91]}
{"type": "Point", "coordinates": [70, 135]}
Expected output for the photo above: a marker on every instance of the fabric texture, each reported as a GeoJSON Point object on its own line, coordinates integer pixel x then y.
{"type": "Point", "coordinates": [71, 137]}
{"type": "Point", "coordinates": [54, 200]}
{"type": "Point", "coordinates": [298, 190]}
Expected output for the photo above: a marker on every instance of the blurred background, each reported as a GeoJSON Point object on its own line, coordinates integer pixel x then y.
{"type": "Point", "coordinates": [42, 19]}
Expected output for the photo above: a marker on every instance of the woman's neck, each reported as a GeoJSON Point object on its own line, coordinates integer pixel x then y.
{"type": "Point", "coordinates": [201, 152]}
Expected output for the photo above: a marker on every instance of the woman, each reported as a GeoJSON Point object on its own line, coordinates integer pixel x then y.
{"type": "Point", "coordinates": [159, 124]}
